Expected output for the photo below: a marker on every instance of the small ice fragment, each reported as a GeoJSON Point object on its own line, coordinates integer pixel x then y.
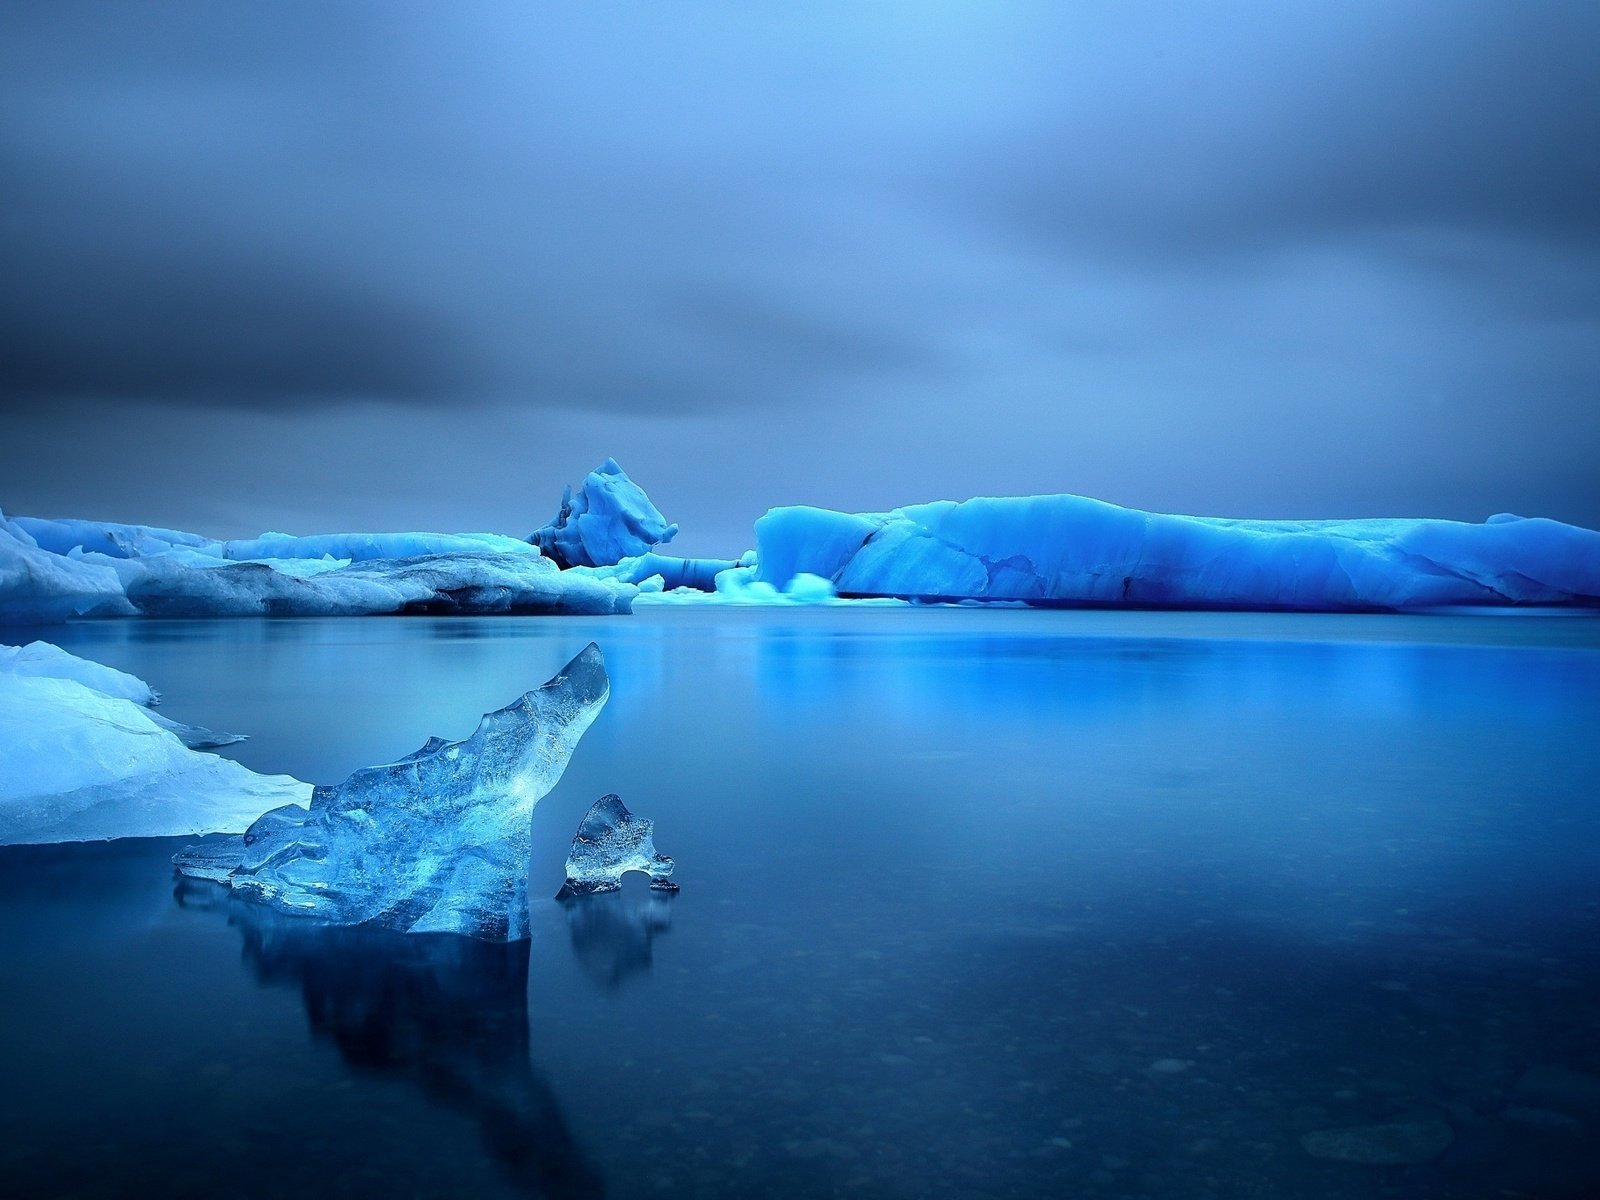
{"type": "Point", "coordinates": [610, 842]}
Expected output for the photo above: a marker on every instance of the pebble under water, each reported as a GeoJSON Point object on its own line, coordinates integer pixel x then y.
{"type": "Point", "coordinates": [975, 903]}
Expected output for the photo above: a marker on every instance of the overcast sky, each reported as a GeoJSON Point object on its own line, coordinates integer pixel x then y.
{"type": "Point", "coordinates": [389, 265]}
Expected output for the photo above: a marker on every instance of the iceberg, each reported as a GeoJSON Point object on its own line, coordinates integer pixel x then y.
{"type": "Point", "coordinates": [437, 841]}
{"type": "Point", "coordinates": [609, 519]}
{"type": "Point", "coordinates": [37, 586]}
{"type": "Point", "coordinates": [1072, 550]}
{"type": "Point", "coordinates": [85, 760]}
{"type": "Point", "coordinates": [435, 584]}
{"type": "Point", "coordinates": [610, 842]}
{"type": "Point", "coordinates": [41, 660]}
{"type": "Point", "coordinates": [694, 574]}
{"type": "Point", "coordinates": [54, 570]}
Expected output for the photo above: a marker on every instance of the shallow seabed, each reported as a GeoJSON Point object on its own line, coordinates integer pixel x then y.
{"type": "Point", "coordinates": [975, 903]}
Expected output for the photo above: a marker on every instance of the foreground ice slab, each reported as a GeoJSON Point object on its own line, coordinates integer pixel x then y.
{"type": "Point", "coordinates": [436, 842]}
{"type": "Point", "coordinates": [610, 842]}
{"type": "Point", "coordinates": [82, 759]}
{"type": "Point", "coordinates": [1073, 550]}
{"type": "Point", "coordinates": [610, 519]}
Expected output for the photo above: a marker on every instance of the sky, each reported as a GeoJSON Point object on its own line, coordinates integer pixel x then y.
{"type": "Point", "coordinates": [390, 265]}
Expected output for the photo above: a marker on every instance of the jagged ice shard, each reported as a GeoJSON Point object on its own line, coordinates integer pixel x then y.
{"type": "Point", "coordinates": [1074, 550]}
{"type": "Point", "coordinates": [609, 519]}
{"type": "Point", "coordinates": [610, 842]}
{"type": "Point", "coordinates": [438, 841]}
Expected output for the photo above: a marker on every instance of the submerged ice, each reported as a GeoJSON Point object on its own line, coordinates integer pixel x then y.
{"type": "Point", "coordinates": [437, 841]}
{"type": "Point", "coordinates": [610, 842]}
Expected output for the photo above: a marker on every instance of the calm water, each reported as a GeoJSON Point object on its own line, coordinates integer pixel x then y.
{"type": "Point", "coordinates": [975, 904]}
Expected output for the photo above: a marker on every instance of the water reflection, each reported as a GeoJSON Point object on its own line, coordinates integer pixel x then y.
{"type": "Point", "coordinates": [448, 1014]}
{"type": "Point", "coordinates": [613, 933]}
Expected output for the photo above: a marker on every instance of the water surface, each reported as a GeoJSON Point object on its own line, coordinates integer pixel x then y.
{"type": "Point", "coordinates": [988, 903]}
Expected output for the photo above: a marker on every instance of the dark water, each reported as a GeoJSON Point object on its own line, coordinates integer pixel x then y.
{"type": "Point", "coordinates": [975, 904]}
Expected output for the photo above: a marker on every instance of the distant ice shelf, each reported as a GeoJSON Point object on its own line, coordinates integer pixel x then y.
{"type": "Point", "coordinates": [85, 759]}
{"type": "Point", "coordinates": [600, 556]}
{"type": "Point", "coordinates": [435, 842]}
{"type": "Point", "coordinates": [1074, 550]}
{"type": "Point", "coordinates": [54, 570]}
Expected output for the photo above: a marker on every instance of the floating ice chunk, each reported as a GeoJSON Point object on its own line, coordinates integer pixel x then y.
{"type": "Point", "coordinates": [610, 842]}
{"type": "Point", "coordinates": [697, 573]}
{"type": "Point", "coordinates": [1074, 550]}
{"type": "Point", "coordinates": [437, 841]}
{"type": "Point", "coordinates": [38, 586]}
{"type": "Point", "coordinates": [43, 661]}
{"type": "Point", "coordinates": [52, 570]}
{"type": "Point", "coordinates": [197, 737]}
{"type": "Point", "coordinates": [609, 519]}
{"type": "Point", "coordinates": [82, 766]}
{"type": "Point", "coordinates": [523, 582]}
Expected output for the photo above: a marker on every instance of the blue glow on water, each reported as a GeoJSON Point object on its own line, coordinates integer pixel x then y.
{"type": "Point", "coordinates": [975, 903]}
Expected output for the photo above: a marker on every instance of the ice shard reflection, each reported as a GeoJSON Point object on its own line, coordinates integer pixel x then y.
{"type": "Point", "coordinates": [446, 1014]}
{"type": "Point", "coordinates": [614, 933]}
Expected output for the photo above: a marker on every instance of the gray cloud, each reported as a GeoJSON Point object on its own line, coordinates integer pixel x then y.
{"type": "Point", "coordinates": [1053, 234]}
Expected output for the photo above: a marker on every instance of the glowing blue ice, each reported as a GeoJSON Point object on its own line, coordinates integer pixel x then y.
{"type": "Point", "coordinates": [82, 758]}
{"type": "Point", "coordinates": [438, 841]}
{"type": "Point", "coordinates": [1073, 550]}
{"type": "Point", "coordinates": [52, 570]}
{"type": "Point", "coordinates": [610, 842]}
{"type": "Point", "coordinates": [609, 519]}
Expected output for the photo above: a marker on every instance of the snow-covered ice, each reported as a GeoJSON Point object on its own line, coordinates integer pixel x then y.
{"type": "Point", "coordinates": [85, 760]}
{"type": "Point", "coordinates": [609, 519]}
{"type": "Point", "coordinates": [53, 570]}
{"type": "Point", "coordinates": [437, 841]}
{"type": "Point", "coordinates": [1074, 550]}
{"type": "Point", "coordinates": [610, 842]}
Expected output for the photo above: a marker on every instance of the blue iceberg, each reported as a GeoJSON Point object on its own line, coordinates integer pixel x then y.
{"type": "Point", "coordinates": [437, 841]}
{"type": "Point", "coordinates": [609, 519]}
{"type": "Point", "coordinates": [54, 570]}
{"type": "Point", "coordinates": [85, 759]}
{"type": "Point", "coordinates": [1072, 550]}
{"type": "Point", "coordinates": [610, 842]}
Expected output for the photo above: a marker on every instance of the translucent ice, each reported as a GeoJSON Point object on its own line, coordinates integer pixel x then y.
{"type": "Point", "coordinates": [1074, 550]}
{"type": "Point", "coordinates": [610, 842]}
{"type": "Point", "coordinates": [609, 519]}
{"type": "Point", "coordinates": [437, 841]}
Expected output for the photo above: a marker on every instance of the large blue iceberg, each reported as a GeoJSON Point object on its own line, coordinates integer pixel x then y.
{"type": "Point", "coordinates": [53, 570]}
{"type": "Point", "coordinates": [1074, 550]}
{"type": "Point", "coordinates": [609, 519]}
{"type": "Point", "coordinates": [437, 841]}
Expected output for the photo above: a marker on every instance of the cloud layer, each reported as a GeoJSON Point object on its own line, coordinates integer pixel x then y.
{"type": "Point", "coordinates": [1278, 258]}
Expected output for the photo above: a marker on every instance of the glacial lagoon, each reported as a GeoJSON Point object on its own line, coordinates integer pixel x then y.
{"type": "Point", "coordinates": [975, 903]}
